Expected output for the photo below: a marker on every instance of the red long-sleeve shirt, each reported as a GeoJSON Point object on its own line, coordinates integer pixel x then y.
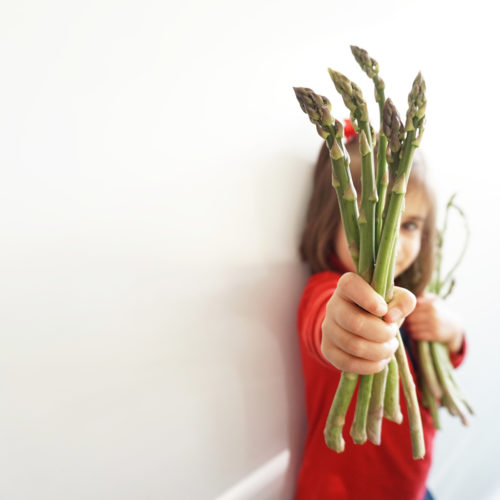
{"type": "Point", "coordinates": [361, 472]}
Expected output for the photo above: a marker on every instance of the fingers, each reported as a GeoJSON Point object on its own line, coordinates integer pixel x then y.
{"type": "Point", "coordinates": [360, 347]}
{"type": "Point", "coordinates": [350, 317]}
{"type": "Point", "coordinates": [354, 288]}
{"type": "Point", "coordinates": [400, 306]}
{"type": "Point", "coordinates": [348, 363]}
{"type": "Point", "coordinates": [355, 338]}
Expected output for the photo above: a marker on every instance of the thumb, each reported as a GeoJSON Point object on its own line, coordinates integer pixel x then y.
{"type": "Point", "coordinates": [402, 304]}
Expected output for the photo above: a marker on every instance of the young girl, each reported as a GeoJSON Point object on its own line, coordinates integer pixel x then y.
{"type": "Point", "coordinates": [340, 329]}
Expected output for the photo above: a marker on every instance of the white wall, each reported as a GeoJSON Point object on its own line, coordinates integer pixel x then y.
{"type": "Point", "coordinates": [155, 169]}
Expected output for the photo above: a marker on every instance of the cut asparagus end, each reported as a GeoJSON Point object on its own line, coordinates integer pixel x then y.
{"type": "Point", "coordinates": [336, 416]}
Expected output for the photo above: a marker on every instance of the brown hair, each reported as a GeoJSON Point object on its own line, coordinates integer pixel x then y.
{"type": "Point", "coordinates": [323, 216]}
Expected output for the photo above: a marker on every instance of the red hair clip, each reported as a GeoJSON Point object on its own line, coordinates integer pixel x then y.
{"type": "Point", "coordinates": [349, 132]}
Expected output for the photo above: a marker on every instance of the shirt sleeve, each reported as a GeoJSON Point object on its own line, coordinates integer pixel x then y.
{"type": "Point", "coordinates": [312, 311]}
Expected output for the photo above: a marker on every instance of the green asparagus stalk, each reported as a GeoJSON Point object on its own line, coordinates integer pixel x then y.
{"type": "Point", "coordinates": [353, 99]}
{"type": "Point", "coordinates": [393, 129]}
{"type": "Point", "coordinates": [318, 109]}
{"type": "Point", "coordinates": [430, 403]}
{"type": "Point", "coordinates": [437, 285]}
{"type": "Point", "coordinates": [451, 396]}
{"type": "Point", "coordinates": [428, 370]}
{"type": "Point", "coordinates": [374, 422]}
{"type": "Point", "coordinates": [371, 68]}
{"type": "Point", "coordinates": [376, 411]}
{"type": "Point", "coordinates": [445, 361]}
{"type": "Point", "coordinates": [338, 409]}
{"type": "Point", "coordinates": [392, 410]}
{"type": "Point", "coordinates": [413, 134]}
{"type": "Point", "coordinates": [416, 430]}
{"type": "Point", "coordinates": [358, 427]}
{"type": "Point", "coordinates": [387, 125]}
{"type": "Point", "coordinates": [453, 402]}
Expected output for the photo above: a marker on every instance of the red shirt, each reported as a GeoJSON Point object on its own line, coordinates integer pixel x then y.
{"type": "Point", "coordinates": [385, 472]}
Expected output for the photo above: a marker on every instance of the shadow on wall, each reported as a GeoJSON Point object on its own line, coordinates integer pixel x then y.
{"type": "Point", "coordinates": [266, 300]}
{"type": "Point", "coordinates": [286, 187]}
{"type": "Point", "coordinates": [273, 300]}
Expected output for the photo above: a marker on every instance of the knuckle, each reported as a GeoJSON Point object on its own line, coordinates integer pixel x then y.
{"type": "Point", "coordinates": [346, 280]}
{"type": "Point", "coordinates": [372, 304]}
{"type": "Point", "coordinates": [356, 348]}
{"type": "Point", "coordinates": [356, 323]}
{"type": "Point", "coordinates": [411, 300]}
{"type": "Point", "coordinates": [406, 299]}
{"type": "Point", "coordinates": [325, 348]}
{"type": "Point", "coordinates": [390, 331]}
{"type": "Point", "coordinates": [332, 356]}
{"type": "Point", "coordinates": [388, 350]}
{"type": "Point", "coordinates": [330, 307]}
{"type": "Point", "coordinates": [365, 368]}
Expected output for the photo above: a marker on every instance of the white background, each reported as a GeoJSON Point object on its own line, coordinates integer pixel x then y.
{"type": "Point", "coordinates": [155, 170]}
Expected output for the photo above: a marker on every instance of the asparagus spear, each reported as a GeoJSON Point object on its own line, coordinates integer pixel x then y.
{"type": "Point", "coordinates": [452, 398]}
{"type": "Point", "coordinates": [391, 129]}
{"type": "Point", "coordinates": [413, 133]}
{"type": "Point", "coordinates": [428, 370]}
{"type": "Point", "coordinates": [370, 67]}
{"type": "Point", "coordinates": [392, 410]}
{"type": "Point", "coordinates": [318, 109]}
{"type": "Point", "coordinates": [430, 402]}
{"type": "Point", "coordinates": [353, 99]}
{"type": "Point", "coordinates": [394, 130]}
{"type": "Point", "coordinates": [376, 410]}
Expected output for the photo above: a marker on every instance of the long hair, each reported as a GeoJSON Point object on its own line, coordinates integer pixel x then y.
{"type": "Point", "coordinates": [323, 216]}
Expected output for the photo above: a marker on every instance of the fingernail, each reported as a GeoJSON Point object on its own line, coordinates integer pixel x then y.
{"type": "Point", "coordinates": [381, 309]}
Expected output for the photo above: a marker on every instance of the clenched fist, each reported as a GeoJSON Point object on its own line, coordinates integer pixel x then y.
{"type": "Point", "coordinates": [359, 329]}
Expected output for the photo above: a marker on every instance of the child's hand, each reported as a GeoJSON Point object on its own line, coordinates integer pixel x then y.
{"type": "Point", "coordinates": [433, 321]}
{"type": "Point", "coordinates": [355, 338]}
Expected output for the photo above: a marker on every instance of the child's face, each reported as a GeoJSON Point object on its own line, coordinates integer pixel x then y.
{"type": "Point", "coordinates": [410, 234]}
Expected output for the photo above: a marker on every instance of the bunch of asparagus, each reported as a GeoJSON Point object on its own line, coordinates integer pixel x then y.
{"type": "Point", "coordinates": [437, 382]}
{"type": "Point", "coordinates": [372, 236]}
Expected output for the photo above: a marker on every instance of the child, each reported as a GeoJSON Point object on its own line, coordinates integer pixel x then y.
{"type": "Point", "coordinates": [340, 330]}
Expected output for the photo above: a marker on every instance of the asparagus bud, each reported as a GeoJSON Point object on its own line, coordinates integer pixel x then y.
{"type": "Point", "coordinates": [417, 103]}
{"type": "Point", "coordinates": [352, 96]}
{"type": "Point", "coordinates": [367, 63]}
{"type": "Point", "coordinates": [370, 67]}
{"type": "Point", "coordinates": [316, 106]}
{"type": "Point", "coordinates": [393, 129]}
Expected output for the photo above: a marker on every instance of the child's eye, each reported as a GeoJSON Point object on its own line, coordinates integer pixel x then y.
{"type": "Point", "coordinates": [409, 226]}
